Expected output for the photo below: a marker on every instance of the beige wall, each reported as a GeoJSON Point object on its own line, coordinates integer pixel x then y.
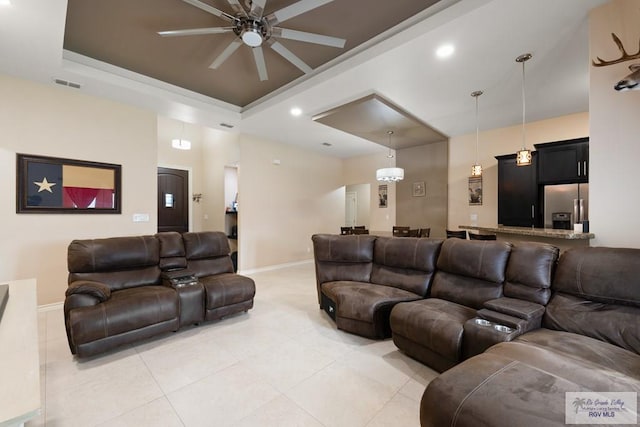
{"type": "Point", "coordinates": [281, 206]}
{"type": "Point", "coordinates": [496, 142]}
{"type": "Point", "coordinates": [62, 122]}
{"type": "Point", "coordinates": [362, 170]}
{"type": "Point", "coordinates": [615, 129]}
{"type": "Point", "coordinates": [428, 164]}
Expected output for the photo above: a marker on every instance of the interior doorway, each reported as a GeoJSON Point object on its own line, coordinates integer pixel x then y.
{"type": "Point", "coordinates": [351, 209]}
{"type": "Point", "coordinates": [173, 200]}
{"type": "Point", "coordinates": [357, 205]}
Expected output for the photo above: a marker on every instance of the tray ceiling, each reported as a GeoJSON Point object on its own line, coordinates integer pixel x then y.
{"type": "Point", "coordinates": [124, 33]}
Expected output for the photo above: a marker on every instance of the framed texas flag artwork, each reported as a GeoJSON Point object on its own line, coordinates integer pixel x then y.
{"type": "Point", "coordinates": [54, 185]}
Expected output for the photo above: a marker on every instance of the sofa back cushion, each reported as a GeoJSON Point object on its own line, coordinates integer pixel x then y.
{"type": "Point", "coordinates": [172, 253]}
{"type": "Point", "coordinates": [207, 253]}
{"type": "Point", "coordinates": [470, 272]}
{"type": "Point", "coordinates": [407, 263]}
{"type": "Point", "coordinates": [343, 257]}
{"type": "Point", "coordinates": [530, 270]}
{"type": "Point", "coordinates": [119, 262]}
{"type": "Point", "coordinates": [597, 294]}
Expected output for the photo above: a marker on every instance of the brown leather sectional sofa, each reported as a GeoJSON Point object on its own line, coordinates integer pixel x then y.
{"type": "Point", "coordinates": [124, 289]}
{"type": "Point", "coordinates": [512, 328]}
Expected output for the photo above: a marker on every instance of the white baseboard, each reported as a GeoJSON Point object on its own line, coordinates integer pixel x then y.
{"type": "Point", "coordinates": [275, 267]}
{"type": "Point", "coordinates": [50, 307]}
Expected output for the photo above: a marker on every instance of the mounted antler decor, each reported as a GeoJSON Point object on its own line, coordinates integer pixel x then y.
{"type": "Point", "coordinates": [632, 81]}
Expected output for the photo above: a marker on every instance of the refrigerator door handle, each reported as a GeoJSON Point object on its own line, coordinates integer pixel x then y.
{"type": "Point", "coordinates": [584, 167]}
{"type": "Point", "coordinates": [578, 168]}
{"type": "Point", "coordinates": [533, 211]}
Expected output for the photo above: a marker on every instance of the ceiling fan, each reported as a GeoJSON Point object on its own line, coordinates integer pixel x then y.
{"type": "Point", "coordinates": [253, 29]}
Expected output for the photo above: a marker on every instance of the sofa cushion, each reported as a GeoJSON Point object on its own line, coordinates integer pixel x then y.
{"type": "Point", "coordinates": [363, 308]}
{"type": "Point", "coordinates": [405, 263]}
{"type": "Point", "coordinates": [126, 310]}
{"type": "Point", "coordinates": [608, 275]}
{"type": "Point", "coordinates": [470, 272]}
{"type": "Point", "coordinates": [588, 349]}
{"type": "Point", "coordinates": [172, 253]}
{"type": "Point", "coordinates": [530, 270]}
{"type": "Point", "coordinates": [206, 244]}
{"type": "Point", "coordinates": [433, 323]}
{"type": "Point", "coordinates": [227, 289]}
{"type": "Point", "coordinates": [331, 248]}
{"type": "Point", "coordinates": [612, 323]}
{"type": "Point", "coordinates": [516, 384]}
{"type": "Point", "coordinates": [112, 254]}
{"type": "Point", "coordinates": [485, 260]}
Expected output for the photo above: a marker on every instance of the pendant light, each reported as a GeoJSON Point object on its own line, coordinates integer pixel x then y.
{"type": "Point", "coordinates": [476, 169]}
{"type": "Point", "coordinates": [181, 143]}
{"type": "Point", "coordinates": [390, 174]}
{"type": "Point", "coordinates": [523, 156]}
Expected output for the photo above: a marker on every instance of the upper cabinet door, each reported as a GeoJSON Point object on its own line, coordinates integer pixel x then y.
{"type": "Point", "coordinates": [563, 162]}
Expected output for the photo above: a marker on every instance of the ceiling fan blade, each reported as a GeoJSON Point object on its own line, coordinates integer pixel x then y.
{"type": "Point", "coordinates": [226, 53]}
{"type": "Point", "coordinates": [237, 7]}
{"type": "Point", "coordinates": [258, 56]}
{"type": "Point", "coordinates": [294, 10]}
{"type": "Point", "coordinates": [257, 8]}
{"type": "Point", "coordinates": [289, 56]}
{"type": "Point", "coordinates": [303, 36]}
{"type": "Point", "coordinates": [212, 10]}
{"type": "Point", "coordinates": [195, 31]}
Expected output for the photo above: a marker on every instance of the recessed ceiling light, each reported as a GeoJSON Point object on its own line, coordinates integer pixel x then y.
{"type": "Point", "coordinates": [445, 51]}
{"type": "Point", "coordinates": [295, 111]}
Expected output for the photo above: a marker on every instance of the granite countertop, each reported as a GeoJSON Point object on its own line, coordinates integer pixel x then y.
{"type": "Point", "coordinates": [528, 231]}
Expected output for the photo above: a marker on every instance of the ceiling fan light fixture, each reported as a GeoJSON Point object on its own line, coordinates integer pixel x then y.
{"type": "Point", "coordinates": [181, 144]}
{"type": "Point", "coordinates": [252, 37]}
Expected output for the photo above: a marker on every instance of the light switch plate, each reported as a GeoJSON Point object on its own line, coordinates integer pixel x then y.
{"type": "Point", "coordinates": [140, 217]}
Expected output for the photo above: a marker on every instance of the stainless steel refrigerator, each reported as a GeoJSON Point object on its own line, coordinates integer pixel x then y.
{"type": "Point", "coordinates": [572, 199]}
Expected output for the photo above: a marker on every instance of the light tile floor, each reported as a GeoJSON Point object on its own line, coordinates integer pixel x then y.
{"type": "Point", "coordinates": [282, 364]}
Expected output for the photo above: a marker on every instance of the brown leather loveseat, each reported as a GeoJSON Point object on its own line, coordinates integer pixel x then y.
{"type": "Point", "coordinates": [124, 289]}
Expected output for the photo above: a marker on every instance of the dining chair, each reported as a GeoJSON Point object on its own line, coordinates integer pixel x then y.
{"type": "Point", "coordinates": [345, 230]}
{"type": "Point", "coordinates": [476, 236]}
{"type": "Point", "coordinates": [400, 231]}
{"type": "Point", "coordinates": [359, 231]}
{"type": "Point", "coordinates": [424, 232]}
{"type": "Point", "coordinates": [461, 234]}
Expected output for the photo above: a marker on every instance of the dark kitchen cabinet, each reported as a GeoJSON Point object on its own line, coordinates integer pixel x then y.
{"type": "Point", "coordinates": [518, 192]}
{"type": "Point", "coordinates": [563, 162]}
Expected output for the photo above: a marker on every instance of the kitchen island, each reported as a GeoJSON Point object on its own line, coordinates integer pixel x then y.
{"type": "Point", "coordinates": [563, 239]}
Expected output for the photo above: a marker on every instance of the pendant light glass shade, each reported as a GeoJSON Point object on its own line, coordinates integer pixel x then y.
{"type": "Point", "coordinates": [476, 169]}
{"type": "Point", "coordinates": [523, 156]}
{"type": "Point", "coordinates": [390, 174]}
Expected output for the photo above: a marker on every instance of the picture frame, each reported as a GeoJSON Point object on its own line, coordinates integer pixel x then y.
{"type": "Point", "coordinates": [382, 196]}
{"type": "Point", "coordinates": [58, 185]}
{"type": "Point", "coordinates": [418, 189]}
{"type": "Point", "coordinates": [475, 190]}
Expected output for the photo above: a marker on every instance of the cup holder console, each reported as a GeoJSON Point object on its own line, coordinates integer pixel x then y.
{"type": "Point", "coordinates": [497, 327]}
{"type": "Point", "coordinates": [502, 328]}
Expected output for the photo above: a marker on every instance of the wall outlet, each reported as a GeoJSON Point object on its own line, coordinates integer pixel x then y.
{"type": "Point", "coordinates": [140, 217]}
{"type": "Point", "coordinates": [474, 217]}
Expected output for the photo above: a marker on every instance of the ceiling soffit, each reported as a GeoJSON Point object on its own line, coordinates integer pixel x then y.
{"type": "Point", "coordinates": [372, 117]}
{"type": "Point", "coordinates": [124, 33]}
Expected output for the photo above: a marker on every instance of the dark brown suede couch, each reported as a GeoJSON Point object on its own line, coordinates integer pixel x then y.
{"type": "Point", "coordinates": [121, 288]}
{"type": "Point", "coordinates": [512, 327]}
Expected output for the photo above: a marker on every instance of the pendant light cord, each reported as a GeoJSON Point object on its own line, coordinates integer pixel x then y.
{"type": "Point", "coordinates": [477, 129]}
{"type": "Point", "coordinates": [524, 111]}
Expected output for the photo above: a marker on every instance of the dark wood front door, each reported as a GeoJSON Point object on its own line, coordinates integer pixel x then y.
{"type": "Point", "coordinates": [173, 197]}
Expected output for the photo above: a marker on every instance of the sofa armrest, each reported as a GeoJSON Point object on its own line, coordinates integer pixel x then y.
{"type": "Point", "coordinates": [98, 290]}
{"type": "Point", "coordinates": [521, 309]}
